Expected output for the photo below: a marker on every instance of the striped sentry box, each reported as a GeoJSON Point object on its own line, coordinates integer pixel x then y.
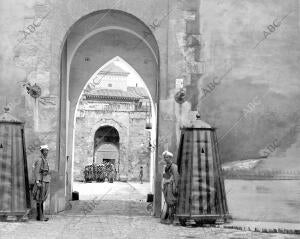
{"type": "Point", "coordinates": [201, 186]}
{"type": "Point", "coordinates": [14, 183]}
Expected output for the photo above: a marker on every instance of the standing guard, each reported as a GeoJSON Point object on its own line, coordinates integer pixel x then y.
{"type": "Point", "coordinates": [141, 174]}
{"type": "Point", "coordinates": [42, 180]}
{"type": "Point", "coordinates": [169, 187]}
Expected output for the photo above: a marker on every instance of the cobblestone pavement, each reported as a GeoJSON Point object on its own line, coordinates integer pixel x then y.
{"type": "Point", "coordinates": [116, 219]}
{"type": "Point", "coordinates": [114, 226]}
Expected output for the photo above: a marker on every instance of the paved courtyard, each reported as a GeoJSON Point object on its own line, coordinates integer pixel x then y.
{"type": "Point", "coordinates": [118, 211]}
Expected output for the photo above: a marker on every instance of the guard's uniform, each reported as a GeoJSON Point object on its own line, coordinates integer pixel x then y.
{"type": "Point", "coordinates": [170, 184]}
{"type": "Point", "coordinates": [41, 189]}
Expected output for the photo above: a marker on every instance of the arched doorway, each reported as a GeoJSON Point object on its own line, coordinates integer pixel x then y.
{"type": "Point", "coordinates": [119, 34]}
{"type": "Point", "coordinates": [121, 100]}
{"type": "Point", "coordinates": [106, 147]}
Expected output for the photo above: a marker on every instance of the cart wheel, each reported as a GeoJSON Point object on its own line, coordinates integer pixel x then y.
{"type": "Point", "coordinates": [182, 222]}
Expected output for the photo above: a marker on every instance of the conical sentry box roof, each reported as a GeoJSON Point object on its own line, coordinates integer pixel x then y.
{"type": "Point", "coordinates": [198, 124]}
{"type": "Point", "coordinates": [201, 187]}
{"type": "Point", "coordinates": [6, 117]}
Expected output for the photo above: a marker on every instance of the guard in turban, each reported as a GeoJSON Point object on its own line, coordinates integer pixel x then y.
{"type": "Point", "coordinates": [169, 188]}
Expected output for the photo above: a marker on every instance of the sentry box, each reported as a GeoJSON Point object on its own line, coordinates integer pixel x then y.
{"type": "Point", "coordinates": [202, 198]}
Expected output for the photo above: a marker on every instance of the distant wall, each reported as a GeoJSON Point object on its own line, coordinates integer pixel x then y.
{"type": "Point", "coordinates": [133, 141]}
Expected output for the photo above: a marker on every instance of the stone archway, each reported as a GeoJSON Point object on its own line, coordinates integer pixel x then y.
{"type": "Point", "coordinates": [85, 148]}
{"type": "Point", "coordinates": [107, 147]}
{"type": "Point", "coordinates": [128, 42]}
{"type": "Point", "coordinates": [122, 132]}
{"type": "Point", "coordinates": [106, 136]}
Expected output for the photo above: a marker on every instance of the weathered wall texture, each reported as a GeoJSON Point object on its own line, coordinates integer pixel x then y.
{"type": "Point", "coordinates": [256, 102]}
{"type": "Point", "coordinates": [258, 41]}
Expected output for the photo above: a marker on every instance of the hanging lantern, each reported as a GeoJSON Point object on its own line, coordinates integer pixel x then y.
{"type": "Point", "coordinates": [148, 117]}
{"type": "Point", "coordinates": [180, 96]}
{"type": "Point", "coordinates": [14, 183]}
{"type": "Point", "coordinates": [148, 123]}
{"type": "Point", "coordinates": [202, 196]}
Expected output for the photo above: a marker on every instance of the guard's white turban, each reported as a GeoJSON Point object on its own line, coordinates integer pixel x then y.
{"type": "Point", "coordinates": [44, 147]}
{"type": "Point", "coordinates": [167, 153]}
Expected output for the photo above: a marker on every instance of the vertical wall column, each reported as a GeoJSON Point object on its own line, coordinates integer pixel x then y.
{"type": "Point", "coordinates": [58, 184]}
{"type": "Point", "coordinates": [195, 63]}
{"type": "Point", "coordinates": [184, 26]}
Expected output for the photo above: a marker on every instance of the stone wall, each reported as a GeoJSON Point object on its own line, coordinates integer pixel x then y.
{"type": "Point", "coordinates": [133, 138]}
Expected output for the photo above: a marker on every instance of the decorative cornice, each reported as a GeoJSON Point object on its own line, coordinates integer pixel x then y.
{"type": "Point", "coordinates": [113, 73]}
{"type": "Point", "coordinates": [105, 97]}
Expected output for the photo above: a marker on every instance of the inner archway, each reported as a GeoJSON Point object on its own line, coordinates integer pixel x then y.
{"type": "Point", "coordinates": [112, 136]}
{"type": "Point", "coordinates": [115, 127]}
{"type": "Point", "coordinates": [106, 147]}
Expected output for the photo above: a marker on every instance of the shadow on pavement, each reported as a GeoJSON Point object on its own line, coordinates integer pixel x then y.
{"type": "Point", "coordinates": [108, 207]}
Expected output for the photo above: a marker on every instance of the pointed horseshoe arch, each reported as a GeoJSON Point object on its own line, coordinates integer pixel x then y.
{"type": "Point", "coordinates": [119, 35]}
